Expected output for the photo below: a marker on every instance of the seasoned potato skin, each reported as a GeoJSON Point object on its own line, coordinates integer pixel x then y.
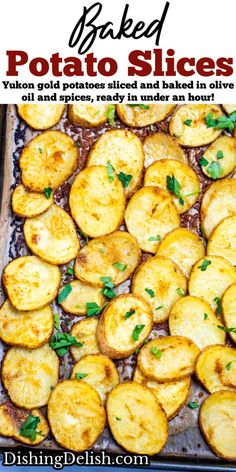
{"type": "Point", "coordinates": [85, 331]}
{"type": "Point", "coordinates": [41, 116]}
{"type": "Point", "coordinates": [29, 204]}
{"type": "Point", "coordinates": [222, 240]}
{"type": "Point", "coordinates": [211, 369]}
{"type": "Point", "coordinates": [136, 116]}
{"type": "Point", "coordinates": [86, 115]}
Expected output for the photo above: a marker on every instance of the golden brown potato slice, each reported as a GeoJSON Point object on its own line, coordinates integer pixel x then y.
{"type": "Point", "coordinates": [98, 371]}
{"type": "Point", "coordinates": [217, 423]}
{"type": "Point", "coordinates": [16, 422]}
{"type": "Point", "coordinates": [162, 146]}
{"type": "Point", "coordinates": [219, 160]}
{"type": "Point", "coordinates": [168, 358]}
{"type": "Point", "coordinates": [223, 240]}
{"type": "Point", "coordinates": [143, 115]}
{"type": "Point", "coordinates": [29, 329]}
{"type": "Point", "coordinates": [116, 256]}
{"type": "Point", "coordinates": [150, 215]}
{"type": "Point", "coordinates": [41, 116]}
{"type": "Point", "coordinates": [176, 177]}
{"type": "Point", "coordinates": [76, 415]}
{"type": "Point", "coordinates": [183, 247]}
{"type": "Point", "coordinates": [29, 375]}
{"type": "Point", "coordinates": [85, 332]}
{"type": "Point", "coordinates": [124, 325]}
{"type": "Point", "coordinates": [124, 151]}
{"type": "Point", "coordinates": [161, 283]}
{"type": "Point", "coordinates": [97, 201]}
{"type": "Point", "coordinates": [216, 368]}
{"type": "Point", "coordinates": [171, 395]}
{"type": "Point", "coordinates": [188, 124]}
{"type": "Point", "coordinates": [209, 279]}
{"type": "Point", "coordinates": [193, 318]}
{"type": "Point", "coordinates": [218, 203]}
{"type": "Point", "coordinates": [30, 282]}
{"type": "Point", "coordinates": [229, 108]}
{"type": "Point", "coordinates": [136, 419]}
{"type": "Point", "coordinates": [86, 115]}
{"type": "Point", "coordinates": [229, 310]}
{"type": "Point", "coordinates": [48, 160]}
{"type": "Point", "coordinates": [81, 293]}
{"type": "Point", "coordinates": [28, 204]}
{"type": "Point", "coordinates": [52, 236]}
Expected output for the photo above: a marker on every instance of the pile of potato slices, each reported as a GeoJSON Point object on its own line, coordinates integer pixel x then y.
{"type": "Point", "coordinates": [120, 261]}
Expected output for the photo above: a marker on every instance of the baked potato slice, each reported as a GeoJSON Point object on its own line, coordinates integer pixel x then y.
{"type": "Point", "coordinates": [193, 318]}
{"type": "Point", "coordinates": [30, 329]}
{"type": "Point", "coordinates": [219, 160]}
{"type": "Point", "coordinates": [168, 358]}
{"type": "Point", "coordinates": [229, 310]}
{"type": "Point", "coordinates": [143, 115]}
{"type": "Point", "coordinates": [136, 419]}
{"type": "Point", "coordinates": [216, 368]}
{"type": "Point", "coordinates": [171, 395]}
{"type": "Point", "coordinates": [28, 204]}
{"type": "Point", "coordinates": [210, 277]}
{"type": "Point", "coordinates": [222, 241]}
{"type": "Point", "coordinates": [188, 124]}
{"type": "Point", "coordinates": [98, 371]}
{"type": "Point", "coordinates": [176, 177]}
{"type": "Point", "coordinates": [217, 423]}
{"type": "Point", "coordinates": [229, 108]}
{"type": "Point", "coordinates": [76, 415]}
{"type": "Point", "coordinates": [150, 215]}
{"type": "Point", "coordinates": [116, 256]}
{"type": "Point", "coordinates": [87, 115]}
{"type": "Point", "coordinates": [162, 146]}
{"type": "Point", "coordinates": [52, 236]}
{"type": "Point", "coordinates": [30, 282]}
{"type": "Point", "coordinates": [124, 325]}
{"type": "Point", "coordinates": [97, 201]}
{"type": "Point", "coordinates": [85, 332]}
{"type": "Point", "coordinates": [48, 160]}
{"type": "Point", "coordinates": [183, 247]}
{"type": "Point", "coordinates": [41, 115]}
{"type": "Point", "coordinates": [13, 419]}
{"type": "Point", "coordinates": [161, 283]}
{"type": "Point", "coordinates": [81, 293]}
{"type": "Point", "coordinates": [124, 151]}
{"type": "Point", "coordinates": [218, 203]}
{"type": "Point", "coordinates": [30, 375]}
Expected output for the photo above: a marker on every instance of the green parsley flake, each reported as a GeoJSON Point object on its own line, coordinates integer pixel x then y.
{"type": "Point", "coordinates": [206, 316]}
{"type": "Point", "coordinates": [193, 405]}
{"type": "Point", "coordinates": [219, 155]}
{"type": "Point", "coordinates": [56, 320]}
{"type": "Point", "coordinates": [203, 162]}
{"type": "Point", "coordinates": [143, 107]}
{"type": "Point", "coordinates": [47, 192]}
{"type": "Point", "coordinates": [155, 238]}
{"type": "Point", "coordinates": [223, 122]}
{"type": "Point", "coordinates": [108, 286]}
{"type": "Point", "coordinates": [93, 309]}
{"type": "Point", "coordinates": [125, 179]}
{"type": "Point", "coordinates": [156, 352]}
{"type": "Point", "coordinates": [61, 342]}
{"type": "Point", "coordinates": [110, 171]}
{"type": "Point", "coordinates": [174, 187]}
{"type": "Point", "coordinates": [80, 376]}
{"type": "Point", "coordinates": [118, 419]}
{"type": "Point", "coordinates": [128, 314]}
{"type": "Point", "coordinates": [228, 366]}
{"type": "Point", "coordinates": [215, 170]}
{"type": "Point", "coordinates": [227, 330]}
{"type": "Point", "coordinates": [204, 265]}
{"type": "Point", "coordinates": [102, 250]}
{"type": "Point", "coordinates": [64, 293]}
{"type": "Point", "coordinates": [40, 150]}
{"type": "Point", "coordinates": [150, 292]}
{"type": "Point", "coordinates": [159, 307]}
{"type": "Point", "coordinates": [29, 427]}
{"type": "Point", "coordinates": [181, 292]}
{"type": "Point", "coordinates": [188, 122]}
{"type": "Point", "coordinates": [120, 266]}
{"type": "Point", "coordinates": [136, 332]}
{"type": "Point", "coordinates": [217, 300]}
{"type": "Point", "coordinates": [70, 271]}
{"type": "Point", "coordinates": [111, 112]}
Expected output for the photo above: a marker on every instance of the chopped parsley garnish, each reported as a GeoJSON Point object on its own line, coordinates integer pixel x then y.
{"type": "Point", "coordinates": [136, 351]}
{"type": "Point", "coordinates": [159, 307]}
{"type": "Point", "coordinates": [223, 122]}
{"type": "Point", "coordinates": [203, 162]}
{"type": "Point", "coordinates": [83, 235]}
{"type": "Point", "coordinates": [125, 179]}
{"type": "Point", "coordinates": [56, 320]}
{"type": "Point", "coordinates": [219, 155]}
{"type": "Point", "coordinates": [206, 316]}
{"type": "Point", "coordinates": [120, 266]}
{"type": "Point", "coordinates": [80, 376]}
{"type": "Point", "coordinates": [193, 405]}
{"type": "Point", "coordinates": [128, 314]}
{"type": "Point", "coordinates": [40, 150]}
{"type": "Point", "coordinates": [47, 192]}
{"type": "Point", "coordinates": [152, 128]}
{"type": "Point", "coordinates": [188, 122]}
{"type": "Point", "coordinates": [215, 170]}
{"type": "Point", "coordinates": [52, 388]}
{"type": "Point", "coordinates": [118, 419]}
{"type": "Point", "coordinates": [150, 292]}
{"type": "Point", "coordinates": [93, 309]}
{"type": "Point", "coordinates": [61, 342]}
{"type": "Point", "coordinates": [140, 105]}
{"type": "Point", "coordinates": [181, 292]}
{"type": "Point", "coordinates": [70, 271]}
{"type": "Point", "coordinates": [111, 112]}
{"type": "Point", "coordinates": [28, 428]}
{"type": "Point", "coordinates": [204, 265]}
{"type": "Point", "coordinates": [217, 300]}
{"type": "Point", "coordinates": [136, 332]}
{"type": "Point", "coordinates": [64, 293]}
{"type": "Point", "coordinates": [174, 187]}
{"type": "Point", "coordinates": [102, 250]}
{"type": "Point", "coordinates": [156, 352]}
{"type": "Point", "coordinates": [155, 238]}
{"type": "Point", "coordinates": [110, 171]}
{"type": "Point", "coordinates": [227, 330]}
{"type": "Point", "coordinates": [228, 366]}
{"type": "Point", "coordinates": [107, 290]}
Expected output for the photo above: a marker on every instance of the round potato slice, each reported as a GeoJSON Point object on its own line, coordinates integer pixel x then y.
{"type": "Point", "coordinates": [161, 283]}
{"type": "Point", "coordinates": [48, 160]}
{"type": "Point", "coordinates": [139, 116]}
{"type": "Point", "coordinates": [12, 419]}
{"type": "Point", "coordinates": [99, 372]}
{"type": "Point", "coordinates": [97, 201]}
{"type": "Point", "coordinates": [217, 423]}
{"type": "Point", "coordinates": [223, 240]}
{"type": "Point", "coordinates": [219, 159]}
{"type": "Point", "coordinates": [162, 146]}
{"type": "Point", "coordinates": [229, 108]}
{"type": "Point", "coordinates": [174, 176]}
{"type": "Point", "coordinates": [28, 204]}
{"type": "Point", "coordinates": [168, 358]}
{"type": "Point", "coordinates": [124, 325]}
{"type": "Point", "coordinates": [124, 151]}
{"type": "Point", "coordinates": [209, 279]}
{"type": "Point", "coordinates": [183, 247]}
{"type": "Point", "coordinates": [41, 116]}
{"type": "Point", "coordinates": [86, 115]}
{"type": "Point", "coordinates": [216, 368]}
{"type": "Point", "coordinates": [150, 215]}
{"type": "Point", "coordinates": [116, 256]}
{"type": "Point", "coordinates": [194, 319]}
{"type": "Point", "coordinates": [76, 415]}
{"type": "Point", "coordinates": [218, 203]}
{"type": "Point", "coordinates": [85, 331]}
{"type": "Point", "coordinates": [188, 124]}
{"type": "Point", "coordinates": [29, 375]}
{"type": "Point", "coordinates": [27, 329]}
{"type": "Point", "coordinates": [80, 295]}
{"type": "Point", "coordinates": [30, 282]}
{"type": "Point", "coordinates": [52, 236]}
{"type": "Point", "coordinates": [171, 395]}
{"type": "Point", "coordinates": [136, 419]}
{"type": "Point", "coordinates": [229, 310]}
